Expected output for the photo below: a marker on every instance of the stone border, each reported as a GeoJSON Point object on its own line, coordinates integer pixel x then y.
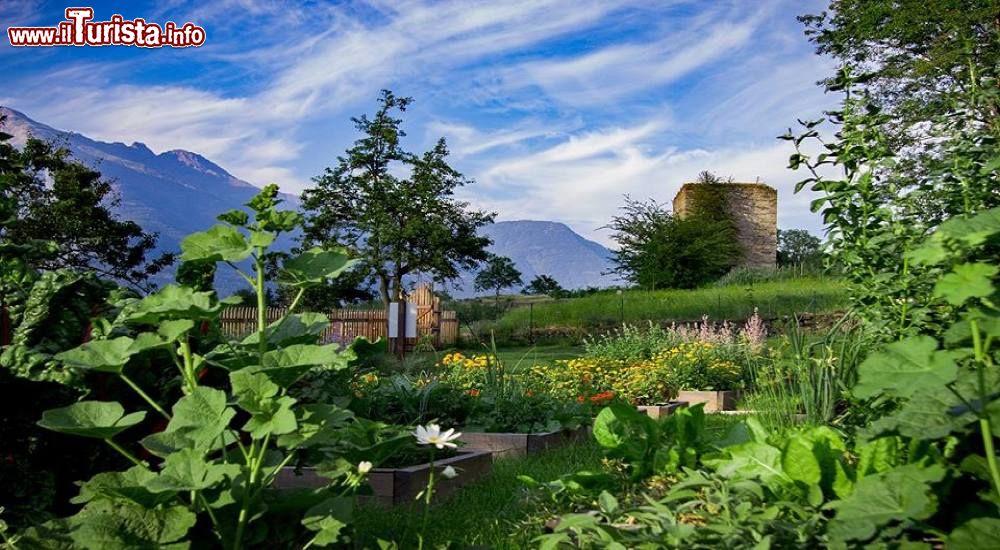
{"type": "Point", "coordinates": [522, 444]}
{"type": "Point", "coordinates": [394, 486]}
{"type": "Point", "coordinates": [715, 401]}
{"type": "Point", "coordinates": [661, 410]}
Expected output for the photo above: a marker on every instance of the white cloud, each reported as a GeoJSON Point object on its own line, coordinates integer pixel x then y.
{"type": "Point", "coordinates": [553, 118]}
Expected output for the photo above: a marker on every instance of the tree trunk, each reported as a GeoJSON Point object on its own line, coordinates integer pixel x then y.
{"type": "Point", "coordinates": [383, 290]}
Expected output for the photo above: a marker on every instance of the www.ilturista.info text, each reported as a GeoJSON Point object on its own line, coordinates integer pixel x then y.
{"type": "Point", "coordinates": [79, 29]}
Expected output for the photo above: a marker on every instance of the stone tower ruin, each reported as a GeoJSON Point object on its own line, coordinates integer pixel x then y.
{"type": "Point", "coordinates": [754, 208]}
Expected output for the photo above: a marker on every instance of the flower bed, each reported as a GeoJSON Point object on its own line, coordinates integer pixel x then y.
{"type": "Point", "coordinates": [392, 486]}
{"type": "Point", "coordinates": [521, 444]}
{"type": "Point", "coordinates": [664, 409]}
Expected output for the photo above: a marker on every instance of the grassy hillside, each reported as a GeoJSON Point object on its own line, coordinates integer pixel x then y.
{"type": "Point", "coordinates": [734, 302]}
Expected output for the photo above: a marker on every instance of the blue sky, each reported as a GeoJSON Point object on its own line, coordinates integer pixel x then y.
{"type": "Point", "coordinates": [556, 108]}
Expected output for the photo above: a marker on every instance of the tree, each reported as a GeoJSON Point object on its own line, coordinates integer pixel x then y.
{"type": "Point", "coordinates": [545, 284]}
{"type": "Point", "coordinates": [659, 250]}
{"type": "Point", "coordinates": [798, 247]}
{"type": "Point", "coordinates": [498, 274]}
{"type": "Point", "coordinates": [50, 198]}
{"type": "Point", "coordinates": [396, 226]}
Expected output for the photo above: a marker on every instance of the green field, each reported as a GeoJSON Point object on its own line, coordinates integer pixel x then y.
{"type": "Point", "coordinates": [734, 302]}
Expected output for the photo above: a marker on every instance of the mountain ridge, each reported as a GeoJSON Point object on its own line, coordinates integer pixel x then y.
{"type": "Point", "coordinates": [178, 192]}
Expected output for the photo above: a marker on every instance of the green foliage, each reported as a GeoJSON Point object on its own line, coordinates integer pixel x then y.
{"type": "Point", "coordinates": [222, 446]}
{"type": "Point", "coordinates": [498, 273]}
{"type": "Point", "coordinates": [47, 197]}
{"type": "Point", "coordinates": [99, 419]}
{"type": "Point", "coordinates": [797, 247]}
{"type": "Point", "coordinates": [658, 250]}
{"type": "Point", "coordinates": [647, 446]}
{"type": "Point", "coordinates": [420, 227]}
{"type": "Point", "coordinates": [545, 284]}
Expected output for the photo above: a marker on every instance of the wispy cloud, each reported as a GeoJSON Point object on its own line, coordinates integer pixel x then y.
{"type": "Point", "coordinates": [556, 107]}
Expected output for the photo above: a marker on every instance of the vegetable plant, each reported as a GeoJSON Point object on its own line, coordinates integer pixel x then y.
{"type": "Point", "coordinates": [206, 478]}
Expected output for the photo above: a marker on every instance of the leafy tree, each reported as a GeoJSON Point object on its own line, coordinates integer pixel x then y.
{"type": "Point", "coordinates": [659, 250]}
{"type": "Point", "coordinates": [51, 198]}
{"type": "Point", "coordinates": [545, 284]}
{"type": "Point", "coordinates": [915, 140]}
{"type": "Point", "coordinates": [397, 226]}
{"type": "Point", "coordinates": [498, 274]}
{"type": "Point", "coordinates": [798, 247]}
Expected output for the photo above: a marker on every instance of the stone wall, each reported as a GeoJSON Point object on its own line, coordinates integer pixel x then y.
{"type": "Point", "coordinates": [754, 208]}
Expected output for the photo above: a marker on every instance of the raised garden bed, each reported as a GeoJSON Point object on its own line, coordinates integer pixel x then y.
{"type": "Point", "coordinates": [662, 409]}
{"type": "Point", "coordinates": [715, 401]}
{"type": "Point", "coordinates": [521, 444]}
{"type": "Point", "coordinates": [391, 486]}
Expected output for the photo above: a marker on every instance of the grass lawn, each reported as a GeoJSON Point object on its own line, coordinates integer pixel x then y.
{"type": "Point", "coordinates": [493, 513]}
{"type": "Point", "coordinates": [734, 302]}
{"type": "Point", "coordinates": [498, 512]}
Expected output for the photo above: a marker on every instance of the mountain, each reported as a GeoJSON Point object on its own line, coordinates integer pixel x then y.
{"type": "Point", "coordinates": [172, 194]}
{"type": "Point", "coordinates": [179, 192]}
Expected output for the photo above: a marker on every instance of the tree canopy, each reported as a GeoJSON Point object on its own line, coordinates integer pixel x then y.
{"type": "Point", "coordinates": [498, 273]}
{"type": "Point", "coordinates": [397, 226]}
{"type": "Point", "coordinates": [66, 209]}
{"type": "Point", "coordinates": [659, 250]}
{"type": "Point", "coordinates": [545, 284]}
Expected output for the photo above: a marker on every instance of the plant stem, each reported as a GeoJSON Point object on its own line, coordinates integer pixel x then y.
{"type": "Point", "coordinates": [144, 395]}
{"type": "Point", "coordinates": [125, 453]}
{"type": "Point", "coordinates": [428, 496]}
{"type": "Point", "coordinates": [261, 303]}
{"type": "Point", "coordinates": [189, 376]}
{"type": "Point", "coordinates": [985, 427]}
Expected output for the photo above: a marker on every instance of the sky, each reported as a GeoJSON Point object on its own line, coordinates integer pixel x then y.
{"type": "Point", "coordinates": [555, 108]}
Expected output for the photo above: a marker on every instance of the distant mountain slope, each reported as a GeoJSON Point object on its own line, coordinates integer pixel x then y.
{"type": "Point", "coordinates": [546, 248]}
{"type": "Point", "coordinates": [179, 192]}
{"type": "Point", "coordinates": [172, 194]}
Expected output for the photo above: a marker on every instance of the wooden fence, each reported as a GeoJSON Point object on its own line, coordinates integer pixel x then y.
{"type": "Point", "coordinates": [438, 327]}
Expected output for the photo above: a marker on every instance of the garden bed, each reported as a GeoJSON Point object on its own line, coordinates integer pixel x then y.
{"type": "Point", "coordinates": [522, 444]}
{"type": "Point", "coordinates": [662, 409]}
{"type": "Point", "coordinates": [392, 486]}
{"type": "Point", "coordinates": [715, 401]}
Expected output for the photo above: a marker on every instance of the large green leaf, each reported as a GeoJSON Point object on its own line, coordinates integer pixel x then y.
{"type": "Point", "coordinates": [258, 395]}
{"type": "Point", "coordinates": [122, 525]}
{"type": "Point", "coordinates": [902, 368]}
{"type": "Point", "coordinates": [976, 534]}
{"type": "Point", "coordinates": [298, 328]}
{"type": "Point", "coordinates": [903, 495]}
{"type": "Point", "coordinates": [99, 419]}
{"type": "Point", "coordinates": [965, 232]}
{"type": "Point", "coordinates": [328, 518]}
{"type": "Point", "coordinates": [286, 365]}
{"type": "Point", "coordinates": [752, 460]}
{"type": "Point", "coordinates": [130, 484]}
{"type": "Point", "coordinates": [933, 413]}
{"type": "Point", "coordinates": [220, 243]}
{"type": "Point", "coordinates": [970, 280]}
{"type": "Point", "coordinates": [625, 431]}
{"type": "Point", "coordinates": [199, 421]}
{"type": "Point", "coordinates": [187, 470]}
{"type": "Point", "coordinates": [319, 425]}
{"type": "Point", "coordinates": [314, 267]}
{"type": "Point", "coordinates": [108, 355]}
{"type": "Point", "coordinates": [172, 302]}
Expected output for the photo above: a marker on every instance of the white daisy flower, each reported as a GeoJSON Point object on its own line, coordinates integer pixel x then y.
{"type": "Point", "coordinates": [449, 472]}
{"type": "Point", "coordinates": [364, 467]}
{"type": "Point", "coordinates": [432, 435]}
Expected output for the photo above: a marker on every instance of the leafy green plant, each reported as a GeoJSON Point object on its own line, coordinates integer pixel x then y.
{"type": "Point", "coordinates": [647, 446]}
{"type": "Point", "coordinates": [206, 479]}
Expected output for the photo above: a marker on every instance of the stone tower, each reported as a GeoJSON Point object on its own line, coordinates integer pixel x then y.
{"type": "Point", "coordinates": [754, 208]}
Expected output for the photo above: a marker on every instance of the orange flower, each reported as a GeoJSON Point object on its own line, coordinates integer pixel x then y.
{"type": "Point", "coordinates": [474, 392]}
{"type": "Point", "coordinates": [580, 399]}
{"type": "Point", "coordinates": [529, 393]}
